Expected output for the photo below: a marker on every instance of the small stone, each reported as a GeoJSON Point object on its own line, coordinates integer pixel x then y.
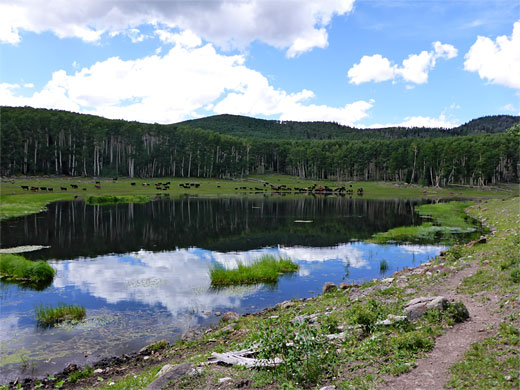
{"type": "Point", "coordinates": [327, 287]}
{"type": "Point", "coordinates": [98, 371]}
{"type": "Point", "coordinates": [329, 388]}
{"type": "Point", "coordinates": [231, 316]}
{"type": "Point", "coordinates": [224, 380]}
{"type": "Point", "coordinates": [146, 358]}
{"type": "Point", "coordinates": [388, 280]}
{"type": "Point", "coordinates": [218, 314]}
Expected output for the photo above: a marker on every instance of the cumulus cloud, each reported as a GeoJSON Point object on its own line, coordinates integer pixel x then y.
{"type": "Point", "coordinates": [414, 69]}
{"type": "Point", "coordinates": [497, 61]}
{"type": "Point", "coordinates": [172, 87]}
{"type": "Point", "coordinates": [374, 68]}
{"type": "Point", "coordinates": [296, 25]}
{"type": "Point", "coordinates": [421, 121]}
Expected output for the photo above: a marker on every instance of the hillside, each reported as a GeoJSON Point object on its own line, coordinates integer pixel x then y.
{"type": "Point", "coordinates": [246, 127]}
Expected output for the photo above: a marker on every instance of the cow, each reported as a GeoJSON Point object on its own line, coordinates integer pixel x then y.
{"type": "Point", "coordinates": [63, 188]}
{"type": "Point", "coordinates": [74, 185]}
{"type": "Point", "coordinates": [98, 186]}
{"type": "Point", "coordinates": [50, 189]}
{"type": "Point", "coordinates": [26, 188]}
{"type": "Point", "coordinates": [132, 183]}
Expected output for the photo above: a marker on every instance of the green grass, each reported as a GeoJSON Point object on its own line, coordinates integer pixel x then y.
{"type": "Point", "coordinates": [264, 270]}
{"type": "Point", "coordinates": [15, 268]}
{"type": "Point", "coordinates": [114, 199]}
{"type": "Point", "coordinates": [449, 224]}
{"type": "Point", "coordinates": [14, 201]}
{"type": "Point", "coordinates": [81, 374]}
{"type": "Point", "coordinates": [48, 315]}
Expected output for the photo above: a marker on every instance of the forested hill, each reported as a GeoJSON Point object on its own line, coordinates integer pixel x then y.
{"type": "Point", "coordinates": [246, 127]}
{"type": "Point", "coordinates": [39, 141]}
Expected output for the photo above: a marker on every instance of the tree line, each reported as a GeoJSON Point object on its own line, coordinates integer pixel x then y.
{"type": "Point", "coordinates": [53, 142]}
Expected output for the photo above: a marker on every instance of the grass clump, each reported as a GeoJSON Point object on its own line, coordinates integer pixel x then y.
{"type": "Point", "coordinates": [48, 315]}
{"type": "Point", "coordinates": [115, 199]}
{"type": "Point", "coordinates": [383, 265]}
{"type": "Point", "coordinates": [449, 224]}
{"type": "Point", "coordinates": [15, 268]}
{"type": "Point", "coordinates": [80, 374]}
{"type": "Point", "coordinates": [264, 270]}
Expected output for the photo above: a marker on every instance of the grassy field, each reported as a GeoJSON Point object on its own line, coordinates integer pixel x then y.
{"type": "Point", "coordinates": [449, 224]}
{"type": "Point", "coordinates": [14, 268]}
{"type": "Point", "coordinates": [16, 201]}
{"type": "Point", "coordinates": [264, 270]}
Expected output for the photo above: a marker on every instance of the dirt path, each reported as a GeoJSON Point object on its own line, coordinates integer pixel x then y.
{"type": "Point", "coordinates": [432, 371]}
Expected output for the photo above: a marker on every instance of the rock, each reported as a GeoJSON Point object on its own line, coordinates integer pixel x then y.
{"type": "Point", "coordinates": [218, 314]}
{"type": "Point", "coordinates": [329, 388]}
{"type": "Point", "coordinates": [70, 368]}
{"type": "Point", "coordinates": [171, 374]}
{"type": "Point", "coordinates": [224, 380]}
{"type": "Point", "coordinates": [336, 336]}
{"type": "Point", "coordinates": [228, 328]}
{"type": "Point", "coordinates": [192, 334]}
{"type": "Point", "coordinates": [231, 316]}
{"type": "Point", "coordinates": [98, 371]}
{"type": "Point", "coordinates": [418, 306]}
{"type": "Point", "coordinates": [388, 280]}
{"type": "Point", "coordinates": [286, 304]}
{"type": "Point", "coordinates": [344, 286]}
{"type": "Point", "coordinates": [327, 287]}
{"type": "Point", "coordinates": [391, 319]}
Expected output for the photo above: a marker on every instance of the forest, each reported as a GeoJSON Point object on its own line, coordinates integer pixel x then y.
{"type": "Point", "coordinates": [53, 142]}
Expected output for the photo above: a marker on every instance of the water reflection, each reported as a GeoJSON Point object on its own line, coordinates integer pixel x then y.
{"type": "Point", "coordinates": [74, 229]}
{"type": "Point", "coordinates": [142, 271]}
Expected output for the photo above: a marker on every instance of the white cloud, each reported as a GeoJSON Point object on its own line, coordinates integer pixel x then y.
{"type": "Point", "coordinates": [498, 61]}
{"type": "Point", "coordinates": [174, 86]}
{"type": "Point", "coordinates": [297, 25]}
{"type": "Point", "coordinates": [372, 68]}
{"type": "Point", "coordinates": [421, 121]}
{"type": "Point", "coordinates": [414, 69]}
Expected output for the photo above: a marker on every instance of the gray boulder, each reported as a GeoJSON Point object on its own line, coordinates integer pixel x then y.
{"type": "Point", "coordinates": [171, 373]}
{"type": "Point", "coordinates": [418, 306]}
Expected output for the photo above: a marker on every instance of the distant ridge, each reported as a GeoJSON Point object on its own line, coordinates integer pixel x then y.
{"type": "Point", "coordinates": [247, 127]}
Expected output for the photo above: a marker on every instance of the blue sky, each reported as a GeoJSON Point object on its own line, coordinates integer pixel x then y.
{"type": "Point", "coordinates": [357, 62]}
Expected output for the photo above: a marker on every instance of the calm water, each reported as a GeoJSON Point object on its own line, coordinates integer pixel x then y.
{"type": "Point", "coordinates": [141, 271]}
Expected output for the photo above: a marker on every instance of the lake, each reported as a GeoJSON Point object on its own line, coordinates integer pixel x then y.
{"type": "Point", "coordinates": [142, 270]}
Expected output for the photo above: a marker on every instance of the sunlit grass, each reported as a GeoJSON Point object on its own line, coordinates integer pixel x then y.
{"type": "Point", "coordinates": [448, 221]}
{"type": "Point", "coordinates": [16, 268]}
{"type": "Point", "coordinates": [48, 315]}
{"type": "Point", "coordinates": [264, 270]}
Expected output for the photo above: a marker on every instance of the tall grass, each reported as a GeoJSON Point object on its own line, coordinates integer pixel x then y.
{"type": "Point", "coordinates": [449, 224]}
{"type": "Point", "coordinates": [383, 265]}
{"type": "Point", "coordinates": [16, 268]}
{"type": "Point", "coordinates": [48, 315]}
{"type": "Point", "coordinates": [264, 270]}
{"type": "Point", "coordinates": [114, 199]}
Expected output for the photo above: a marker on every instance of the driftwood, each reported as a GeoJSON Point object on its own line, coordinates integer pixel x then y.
{"type": "Point", "coordinates": [242, 358]}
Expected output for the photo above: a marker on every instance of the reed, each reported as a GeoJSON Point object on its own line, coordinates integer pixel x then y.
{"type": "Point", "coordinates": [264, 270]}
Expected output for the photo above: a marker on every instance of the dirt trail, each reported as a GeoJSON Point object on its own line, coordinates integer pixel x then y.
{"type": "Point", "coordinates": [432, 371]}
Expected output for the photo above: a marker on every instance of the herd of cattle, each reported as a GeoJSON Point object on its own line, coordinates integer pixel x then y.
{"type": "Point", "coordinates": [160, 186]}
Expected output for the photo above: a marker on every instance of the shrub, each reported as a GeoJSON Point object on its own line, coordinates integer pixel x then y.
{"type": "Point", "coordinates": [18, 269]}
{"type": "Point", "coordinates": [515, 275]}
{"type": "Point", "coordinates": [306, 353]}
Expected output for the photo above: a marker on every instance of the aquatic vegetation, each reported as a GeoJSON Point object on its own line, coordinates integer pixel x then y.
{"type": "Point", "coordinates": [449, 224]}
{"type": "Point", "coordinates": [264, 270]}
{"type": "Point", "coordinates": [80, 374]}
{"type": "Point", "coordinates": [383, 265]}
{"type": "Point", "coordinates": [14, 268]}
{"type": "Point", "coordinates": [48, 315]}
{"type": "Point", "coordinates": [113, 199]}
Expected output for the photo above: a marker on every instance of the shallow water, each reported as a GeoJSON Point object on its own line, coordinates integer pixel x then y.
{"type": "Point", "coordinates": [141, 271]}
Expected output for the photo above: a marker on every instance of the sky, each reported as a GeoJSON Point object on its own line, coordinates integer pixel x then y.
{"type": "Point", "coordinates": [363, 63]}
